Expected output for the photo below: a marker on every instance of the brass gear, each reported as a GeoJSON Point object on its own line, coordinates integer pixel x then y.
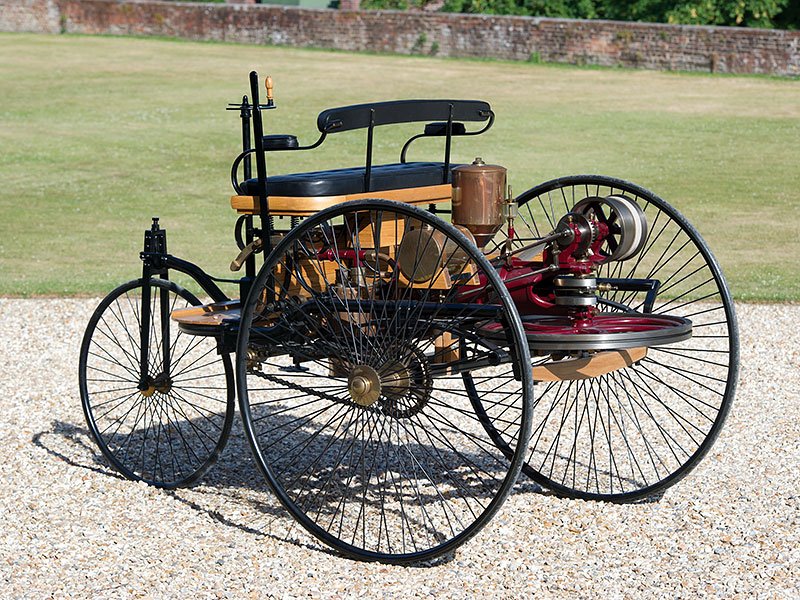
{"type": "Point", "coordinates": [406, 385]}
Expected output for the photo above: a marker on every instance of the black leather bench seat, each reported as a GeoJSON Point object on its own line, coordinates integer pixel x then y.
{"type": "Point", "coordinates": [338, 182]}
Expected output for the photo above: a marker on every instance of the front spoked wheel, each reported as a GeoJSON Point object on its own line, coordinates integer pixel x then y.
{"type": "Point", "coordinates": [640, 427]}
{"type": "Point", "coordinates": [164, 424]}
{"type": "Point", "coordinates": [349, 369]}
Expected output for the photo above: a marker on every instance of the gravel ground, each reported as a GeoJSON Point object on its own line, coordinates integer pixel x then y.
{"type": "Point", "coordinates": [72, 528]}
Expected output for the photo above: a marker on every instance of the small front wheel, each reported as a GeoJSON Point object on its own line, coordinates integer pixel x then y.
{"type": "Point", "coordinates": [165, 424]}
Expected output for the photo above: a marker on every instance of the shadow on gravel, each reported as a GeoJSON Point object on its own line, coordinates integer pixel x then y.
{"type": "Point", "coordinates": [234, 483]}
{"type": "Point", "coordinates": [233, 493]}
{"type": "Point", "coordinates": [222, 486]}
{"type": "Point", "coordinates": [234, 469]}
{"type": "Point", "coordinates": [78, 439]}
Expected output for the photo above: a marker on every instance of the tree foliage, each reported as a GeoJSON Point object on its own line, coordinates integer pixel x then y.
{"type": "Point", "coordinates": [744, 13]}
{"type": "Point", "coordinates": [749, 13]}
{"type": "Point", "coordinates": [571, 9]}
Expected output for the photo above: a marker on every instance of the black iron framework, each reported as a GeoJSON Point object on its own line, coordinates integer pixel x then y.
{"type": "Point", "coordinates": [388, 394]}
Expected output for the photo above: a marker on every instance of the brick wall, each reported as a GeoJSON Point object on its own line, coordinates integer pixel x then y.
{"type": "Point", "coordinates": [30, 15]}
{"type": "Point", "coordinates": [608, 43]}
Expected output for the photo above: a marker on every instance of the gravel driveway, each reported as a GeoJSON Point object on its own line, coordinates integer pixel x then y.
{"type": "Point", "coordinates": [72, 528]}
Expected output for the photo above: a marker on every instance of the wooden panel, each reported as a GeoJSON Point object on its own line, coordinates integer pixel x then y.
{"type": "Point", "coordinates": [446, 348]}
{"type": "Point", "coordinates": [467, 276]}
{"type": "Point", "coordinates": [301, 206]}
{"type": "Point", "coordinates": [535, 258]}
{"type": "Point", "coordinates": [596, 365]}
{"type": "Point", "coordinates": [391, 233]}
{"type": "Point", "coordinates": [316, 274]}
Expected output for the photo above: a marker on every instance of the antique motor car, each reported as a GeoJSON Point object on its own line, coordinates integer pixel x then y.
{"type": "Point", "coordinates": [409, 337]}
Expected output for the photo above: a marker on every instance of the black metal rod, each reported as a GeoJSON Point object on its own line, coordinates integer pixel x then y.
{"type": "Point", "coordinates": [651, 286]}
{"type": "Point", "coordinates": [165, 319]}
{"type": "Point", "coordinates": [447, 144]}
{"type": "Point", "coordinates": [245, 116]}
{"type": "Point", "coordinates": [407, 144]}
{"type": "Point", "coordinates": [250, 263]}
{"type": "Point", "coordinates": [164, 313]}
{"type": "Point", "coordinates": [201, 277]}
{"type": "Point", "coordinates": [261, 167]}
{"type": "Point", "coordinates": [144, 333]}
{"type": "Point", "coordinates": [368, 166]}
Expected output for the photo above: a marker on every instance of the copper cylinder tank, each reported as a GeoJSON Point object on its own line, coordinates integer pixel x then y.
{"type": "Point", "coordinates": [478, 198]}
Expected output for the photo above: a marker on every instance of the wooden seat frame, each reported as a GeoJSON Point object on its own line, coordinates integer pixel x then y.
{"type": "Point", "coordinates": [302, 206]}
{"type": "Point", "coordinates": [444, 119]}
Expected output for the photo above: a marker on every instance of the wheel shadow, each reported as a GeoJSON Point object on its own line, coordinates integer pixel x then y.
{"type": "Point", "coordinates": [233, 487]}
{"type": "Point", "coordinates": [79, 441]}
{"type": "Point", "coordinates": [234, 492]}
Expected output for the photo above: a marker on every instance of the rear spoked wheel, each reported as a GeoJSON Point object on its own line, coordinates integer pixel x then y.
{"type": "Point", "coordinates": [165, 424]}
{"type": "Point", "coordinates": [635, 430]}
{"type": "Point", "coordinates": [349, 367]}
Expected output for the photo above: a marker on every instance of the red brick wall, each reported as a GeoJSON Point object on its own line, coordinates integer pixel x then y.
{"type": "Point", "coordinates": [651, 46]}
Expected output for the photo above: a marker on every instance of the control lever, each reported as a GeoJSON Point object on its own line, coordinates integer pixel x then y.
{"type": "Point", "coordinates": [254, 247]}
{"type": "Point", "coordinates": [268, 85]}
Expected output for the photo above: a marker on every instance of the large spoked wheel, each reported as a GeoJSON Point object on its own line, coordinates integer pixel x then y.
{"type": "Point", "coordinates": [636, 430]}
{"type": "Point", "coordinates": [165, 424]}
{"type": "Point", "coordinates": [349, 363]}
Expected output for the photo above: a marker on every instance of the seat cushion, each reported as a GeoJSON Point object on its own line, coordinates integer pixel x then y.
{"type": "Point", "coordinates": [351, 181]}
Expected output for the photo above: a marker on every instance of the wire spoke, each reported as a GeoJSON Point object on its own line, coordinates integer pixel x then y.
{"type": "Point", "coordinates": [168, 428]}
{"type": "Point", "coordinates": [630, 432]}
{"type": "Point", "coordinates": [352, 393]}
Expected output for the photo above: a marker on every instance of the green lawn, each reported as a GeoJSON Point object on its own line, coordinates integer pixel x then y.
{"type": "Point", "coordinates": [97, 134]}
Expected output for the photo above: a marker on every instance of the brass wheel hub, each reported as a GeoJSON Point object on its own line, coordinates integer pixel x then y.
{"type": "Point", "coordinates": [364, 385]}
{"type": "Point", "coordinates": [160, 384]}
{"type": "Point", "coordinates": [398, 388]}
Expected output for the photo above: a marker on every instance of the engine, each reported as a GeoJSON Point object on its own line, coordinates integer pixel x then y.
{"type": "Point", "coordinates": [554, 273]}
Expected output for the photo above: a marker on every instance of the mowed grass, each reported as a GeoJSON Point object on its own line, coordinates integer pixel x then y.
{"type": "Point", "coordinates": [98, 134]}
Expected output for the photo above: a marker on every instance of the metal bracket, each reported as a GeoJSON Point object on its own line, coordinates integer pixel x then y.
{"type": "Point", "coordinates": [155, 247]}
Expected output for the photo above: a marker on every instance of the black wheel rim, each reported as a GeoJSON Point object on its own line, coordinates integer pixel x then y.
{"type": "Point", "coordinates": [403, 476]}
{"type": "Point", "coordinates": [171, 432]}
{"type": "Point", "coordinates": [634, 432]}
